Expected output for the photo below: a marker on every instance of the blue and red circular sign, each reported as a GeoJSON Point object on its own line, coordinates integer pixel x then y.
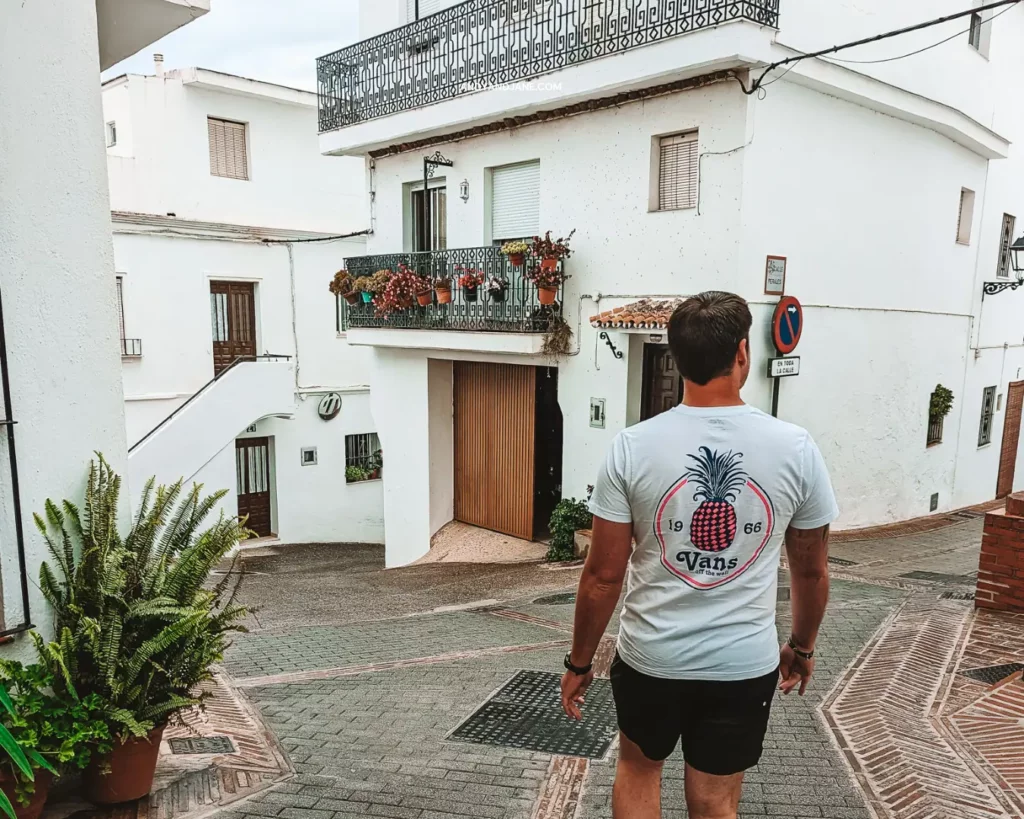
{"type": "Point", "coordinates": [787, 325]}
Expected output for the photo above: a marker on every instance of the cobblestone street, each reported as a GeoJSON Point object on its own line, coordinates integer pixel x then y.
{"type": "Point", "coordinates": [362, 697]}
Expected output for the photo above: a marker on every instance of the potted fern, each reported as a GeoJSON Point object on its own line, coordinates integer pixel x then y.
{"type": "Point", "coordinates": [135, 625]}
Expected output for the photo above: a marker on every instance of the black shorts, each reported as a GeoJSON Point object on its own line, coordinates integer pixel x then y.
{"type": "Point", "coordinates": [721, 724]}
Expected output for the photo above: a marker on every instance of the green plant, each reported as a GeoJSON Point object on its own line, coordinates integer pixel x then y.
{"type": "Point", "coordinates": [515, 248]}
{"type": "Point", "coordinates": [134, 623]}
{"type": "Point", "coordinates": [544, 247]}
{"type": "Point", "coordinates": [62, 731]}
{"type": "Point", "coordinates": [443, 281]}
{"type": "Point", "coordinates": [341, 283]}
{"type": "Point", "coordinates": [362, 284]}
{"type": "Point", "coordinates": [941, 403]}
{"type": "Point", "coordinates": [355, 474]}
{"type": "Point", "coordinates": [570, 515]}
{"type": "Point", "coordinates": [20, 760]}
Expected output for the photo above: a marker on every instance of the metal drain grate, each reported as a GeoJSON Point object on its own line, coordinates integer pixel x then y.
{"type": "Point", "coordinates": [938, 577]}
{"type": "Point", "coordinates": [563, 599]}
{"type": "Point", "coordinates": [201, 745]}
{"type": "Point", "coordinates": [526, 713]}
{"type": "Point", "coordinates": [991, 674]}
{"type": "Point", "coordinates": [840, 561]}
{"type": "Point", "coordinates": [968, 514]}
{"type": "Point", "coordinates": [951, 595]}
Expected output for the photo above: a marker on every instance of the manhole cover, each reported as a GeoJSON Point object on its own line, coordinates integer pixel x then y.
{"type": "Point", "coordinates": [563, 599]}
{"type": "Point", "coordinates": [951, 595]}
{"type": "Point", "coordinates": [968, 514]}
{"type": "Point", "coordinates": [991, 674]}
{"type": "Point", "coordinates": [938, 577]}
{"type": "Point", "coordinates": [840, 561]}
{"type": "Point", "coordinates": [201, 745]}
{"type": "Point", "coordinates": [527, 713]}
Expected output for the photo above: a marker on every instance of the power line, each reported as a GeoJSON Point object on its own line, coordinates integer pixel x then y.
{"type": "Point", "coordinates": [759, 82]}
{"type": "Point", "coordinates": [317, 238]}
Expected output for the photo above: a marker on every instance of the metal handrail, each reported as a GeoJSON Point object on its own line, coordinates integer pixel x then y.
{"type": "Point", "coordinates": [240, 360]}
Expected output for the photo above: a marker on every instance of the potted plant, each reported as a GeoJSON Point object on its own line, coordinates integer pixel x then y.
{"type": "Point", "coordinates": [378, 281]}
{"type": "Point", "coordinates": [374, 464]}
{"type": "Point", "coordinates": [400, 290]}
{"type": "Point", "coordinates": [361, 285]}
{"type": "Point", "coordinates": [356, 474]}
{"type": "Point", "coordinates": [551, 251]}
{"type": "Point", "coordinates": [469, 282]}
{"type": "Point", "coordinates": [497, 287]}
{"type": "Point", "coordinates": [424, 291]}
{"type": "Point", "coordinates": [548, 281]}
{"type": "Point", "coordinates": [443, 288]}
{"type": "Point", "coordinates": [55, 732]}
{"type": "Point", "coordinates": [19, 782]}
{"type": "Point", "coordinates": [341, 285]}
{"type": "Point", "coordinates": [136, 624]}
{"type": "Point", "coordinates": [516, 252]}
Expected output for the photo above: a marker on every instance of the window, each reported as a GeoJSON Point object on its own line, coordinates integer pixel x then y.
{"type": "Point", "coordinates": [676, 159]}
{"type": "Point", "coordinates": [425, 8]}
{"type": "Point", "coordinates": [988, 402]}
{"type": "Point", "coordinates": [219, 316]}
{"type": "Point", "coordinates": [130, 347]}
{"type": "Point", "coordinates": [974, 35]}
{"type": "Point", "coordinates": [1005, 240]}
{"type": "Point", "coordinates": [438, 220]}
{"type": "Point", "coordinates": [120, 305]}
{"type": "Point", "coordinates": [229, 155]}
{"type": "Point", "coordinates": [111, 134]}
{"type": "Point", "coordinates": [363, 457]}
{"type": "Point", "coordinates": [341, 314]}
{"type": "Point", "coordinates": [966, 217]}
{"type": "Point", "coordinates": [309, 456]}
{"type": "Point", "coordinates": [515, 201]}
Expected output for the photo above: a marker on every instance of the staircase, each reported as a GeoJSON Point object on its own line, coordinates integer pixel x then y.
{"type": "Point", "coordinates": [252, 388]}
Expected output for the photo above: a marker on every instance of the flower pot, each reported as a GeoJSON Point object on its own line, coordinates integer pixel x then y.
{"type": "Point", "coordinates": [517, 259]}
{"type": "Point", "coordinates": [8, 784]}
{"type": "Point", "coordinates": [550, 265]}
{"type": "Point", "coordinates": [546, 294]}
{"type": "Point", "coordinates": [367, 296]}
{"type": "Point", "coordinates": [444, 295]}
{"type": "Point", "coordinates": [498, 295]}
{"type": "Point", "coordinates": [131, 768]}
{"type": "Point", "coordinates": [469, 293]}
{"type": "Point", "coordinates": [351, 297]}
{"type": "Point", "coordinates": [425, 298]}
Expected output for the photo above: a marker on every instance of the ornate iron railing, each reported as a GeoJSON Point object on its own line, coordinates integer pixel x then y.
{"type": "Point", "coordinates": [483, 43]}
{"type": "Point", "coordinates": [515, 310]}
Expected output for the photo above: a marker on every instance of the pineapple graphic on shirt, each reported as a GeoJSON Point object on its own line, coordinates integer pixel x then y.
{"type": "Point", "coordinates": [719, 477]}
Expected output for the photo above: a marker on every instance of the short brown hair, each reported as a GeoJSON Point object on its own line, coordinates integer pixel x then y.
{"type": "Point", "coordinates": [705, 332]}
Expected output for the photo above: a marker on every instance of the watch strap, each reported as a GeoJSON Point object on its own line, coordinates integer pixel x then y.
{"type": "Point", "coordinates": [575, 669]}
{"type": "Point", "coordinates": [803, 655]}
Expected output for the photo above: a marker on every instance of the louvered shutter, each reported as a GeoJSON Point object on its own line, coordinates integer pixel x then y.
{"type": "Point", "coordinates": [228, 153]}
{"type": "Point", "coordinates": [515, 201]}
{"type": "Point", "coordinates": [677, 176]}
{"type": "Point", "coordinates": [426, 7]}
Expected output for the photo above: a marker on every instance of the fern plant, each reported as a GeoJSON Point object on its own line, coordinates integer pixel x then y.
{"type": "Point", "coordinates": [135, 622]}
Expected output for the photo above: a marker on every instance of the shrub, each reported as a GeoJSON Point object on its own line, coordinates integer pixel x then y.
{"type": "Point", "coordinates": [941, 403]}
{"type": "Point", "coordinates": [569, 516]}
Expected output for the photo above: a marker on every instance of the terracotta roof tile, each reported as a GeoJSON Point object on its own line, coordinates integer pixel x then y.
{"type": "Point", "coordinates": [646, 314]}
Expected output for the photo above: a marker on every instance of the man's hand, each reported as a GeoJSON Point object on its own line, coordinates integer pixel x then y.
{"type": "Point", "coordinates": [574, 686]}
{"type": "Point", "coordinates": [793, 670]}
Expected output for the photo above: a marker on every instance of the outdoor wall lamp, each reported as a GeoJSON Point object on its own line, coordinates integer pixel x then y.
{"type": "Point", "coordinates": [1017, 262]}
{"type": "Point", "coordinates": [464, 191]}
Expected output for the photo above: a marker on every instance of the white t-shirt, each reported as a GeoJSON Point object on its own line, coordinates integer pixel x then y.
{"type": "Point", "coordinates": [710, 493]}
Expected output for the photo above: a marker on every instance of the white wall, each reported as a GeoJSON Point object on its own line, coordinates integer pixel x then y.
{"type": "Point", "coordinates": [56, 272]}
{"type": "Point", "coordinates": [440, 408]}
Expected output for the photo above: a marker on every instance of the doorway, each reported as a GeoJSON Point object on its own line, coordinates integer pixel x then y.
{"type": "Point", "coordinates": [1011, 439]}
{"type": "Point", "coordinates": [547, 480]}
{"type": "Point", "coordinates": [662, 383]}
{"type": "Point", "coordinates": [252, 468]}
{"type": "Point", "coordinates": [438, 230]}
{"type": "Point", "coordinates": [233, 319]}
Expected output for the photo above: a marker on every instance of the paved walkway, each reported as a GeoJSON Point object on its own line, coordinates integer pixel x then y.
{"type": "Point", "coordinates": [362, 680]}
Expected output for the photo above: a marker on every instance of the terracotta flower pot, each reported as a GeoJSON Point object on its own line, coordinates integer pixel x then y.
{"type": "Point", "coordinates": [444, 295]}
{"type": "Point", "coordinates": [550, 265]}
{"type": "Point", "coordinates": [469, 293]}
{"type": "Point", "coordinates": [367, 296]}
{"type": "Point", "coordinates": [351, 297]}
{"type": "Point", "coordinates": [424, 298]}
{"type": "Point", "coordinates": [131, 768]}
{"type": "Point", "coordinates": [34, 808]}
{"type": "Point", "coordinates": [546, 294]}
{"type": "Point", "coordinates": [517, 259]}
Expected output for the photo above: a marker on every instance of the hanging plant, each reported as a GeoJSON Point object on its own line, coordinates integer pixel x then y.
{"type": "Point", "coordinates": [557, 337]}
{"type": "Point", "coordinates": [941, 403]}
{"type": "Point", "coordinates": [341, 283]}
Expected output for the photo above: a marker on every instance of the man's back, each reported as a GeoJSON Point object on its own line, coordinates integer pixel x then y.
{"type": "Point", "coordinates": [710, 493]}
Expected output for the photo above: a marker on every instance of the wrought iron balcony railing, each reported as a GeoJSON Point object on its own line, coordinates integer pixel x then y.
{"type": "Point", "coordinates": [515, 310]}
{"type": "Point", "coordinates": [482, 43]}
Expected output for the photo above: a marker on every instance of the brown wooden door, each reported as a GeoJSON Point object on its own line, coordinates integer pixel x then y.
{"type": "Point", "coordinates": [233, 317]}
{"type": "Point", "coordinates": [495, 417]}
{"type": "Point", "coordinates": [663, 385]}
{"type": "Point", "coordinates": [1011, 439]}
{"type": "Point", "coordinates": [252, 465]}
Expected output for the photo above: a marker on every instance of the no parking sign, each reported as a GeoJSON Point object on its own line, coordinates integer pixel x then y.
{"type": "Point", "coordinates": [787, 325]}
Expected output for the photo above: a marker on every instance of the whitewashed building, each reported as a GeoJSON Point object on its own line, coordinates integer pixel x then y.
{"type": "Point", "coordinates": [891, 186]}
{"type": "Point", "coordinates": [62, 396]}
{"type": "Point", "coordinates": [236, 374]}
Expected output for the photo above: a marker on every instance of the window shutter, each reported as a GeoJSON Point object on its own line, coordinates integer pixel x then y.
{"type": "Point", "coordinates": [515, 201]}
{"type": "Point", "coordinates": [228, 154]}
{"type": "Point", "coordinates": [427, 7]}
{"type": "Point", "coordinates": [677, 175]}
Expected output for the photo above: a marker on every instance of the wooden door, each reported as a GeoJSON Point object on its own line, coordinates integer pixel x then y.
{"type": "Point", "coordinates": [252, 466]}
{"type": "Point", "coordinates": [663, 385]}
{"type": "Point", "coordinates": [1011, 439]}
{"type": "Point", "coordinates": [495, 417]}
{"type": "Point", "coordinates": [233, 318]}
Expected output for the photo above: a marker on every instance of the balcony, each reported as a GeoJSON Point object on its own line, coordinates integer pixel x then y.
{"type": "Point", "coordinates": [483, 44]}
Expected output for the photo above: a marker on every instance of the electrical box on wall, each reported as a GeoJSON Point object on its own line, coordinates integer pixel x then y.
{"type": "Point", "coordinates": [597, 413]}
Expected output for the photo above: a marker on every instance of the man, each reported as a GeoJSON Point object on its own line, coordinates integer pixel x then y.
{"type": "Point", "coordinates": [708, 490]}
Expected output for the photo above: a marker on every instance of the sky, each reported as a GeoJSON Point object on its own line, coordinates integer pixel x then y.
{"type": "Point", "coordinates": [266, 40]}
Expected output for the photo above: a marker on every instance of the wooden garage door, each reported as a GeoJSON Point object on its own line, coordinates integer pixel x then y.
{"type": "Point", "coordinates": [495, 409]}
{"type": "Point", "coordinates": [1011, 439]}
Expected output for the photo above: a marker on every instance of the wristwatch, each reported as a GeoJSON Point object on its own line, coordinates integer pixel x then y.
{"type": "Point", "coordinates": [803, 655]}
{"type": "Point", "coordinates": [575, 669]}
